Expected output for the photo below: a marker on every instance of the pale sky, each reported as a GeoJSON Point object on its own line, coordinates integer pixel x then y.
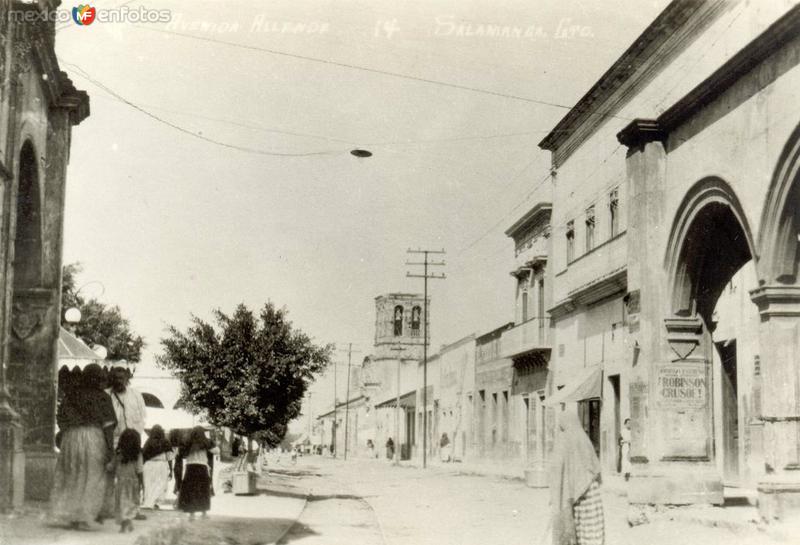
{"type": "Point", "coordinates": [171, 224]}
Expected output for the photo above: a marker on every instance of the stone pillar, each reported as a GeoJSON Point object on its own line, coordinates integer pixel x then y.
{"type": "Point", "coordinates": [671, 436]}
{"type": "Point", "coordinates": [779, 489]}
{"type": "Point", "coordinates": [35, 318]}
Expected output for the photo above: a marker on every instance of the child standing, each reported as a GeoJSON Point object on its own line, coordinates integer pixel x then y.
{"type": "Point", "coordinates": [197, 454]}
{"type": "Point", "coordinates": [127, 466]}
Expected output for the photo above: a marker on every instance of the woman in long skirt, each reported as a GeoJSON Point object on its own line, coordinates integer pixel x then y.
{"type": "Point", "coordinates": [575, 500]}
{"type": "Point", "coordinates": [157, 455]}
{"type": "Point", "coordinates": [194, 494]}
{"type": "Point", "coordinates": [86, 419]}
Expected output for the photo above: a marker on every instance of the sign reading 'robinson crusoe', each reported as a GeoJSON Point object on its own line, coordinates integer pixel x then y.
{"type": "Point", "coordinates": [682, 386]}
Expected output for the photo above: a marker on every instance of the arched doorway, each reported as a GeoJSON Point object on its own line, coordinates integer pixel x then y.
{"type": "Point", "coordinates": [710, 259]}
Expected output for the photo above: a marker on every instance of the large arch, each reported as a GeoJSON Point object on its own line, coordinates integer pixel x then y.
{"type": "Point", "coordinates": [709, 241]}
{"type": "Point", "coordinates": [780, 220]}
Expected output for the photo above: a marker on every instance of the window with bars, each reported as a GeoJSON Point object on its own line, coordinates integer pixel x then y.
{"type": "Point", "coordinates": [570, 241]}
{"type": "Point", "coordinates": [613, 209]}
{"type": "Point", "coordinates": [590, 223]}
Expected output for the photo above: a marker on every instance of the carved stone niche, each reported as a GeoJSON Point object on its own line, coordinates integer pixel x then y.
{"type": "Point", "coordinates": [29, 312]}
{"type": "Point", "coordinates": [684, 334]}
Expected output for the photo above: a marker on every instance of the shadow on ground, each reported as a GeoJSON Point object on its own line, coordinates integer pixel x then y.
{"type": "Point", "coordinates": [235, 531]}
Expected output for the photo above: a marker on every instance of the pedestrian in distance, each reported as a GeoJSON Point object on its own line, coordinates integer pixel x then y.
{"type": "Point", "coordinates": [625, 448]}
{"type": "Point", "coordinates": [194, 488]}
{"type": "Point", "coordinates": [86, 419]}
{"type": "Point", "coordinates": [390, 449]}
{"type": "Point", "coordinates": [575, 500]}
{"type": "Point", "coordinates": [444, 448]}
{"type": "Point", "coordinates": [157, 456]}
{"type": "Point", "coordinates": [128, 470]}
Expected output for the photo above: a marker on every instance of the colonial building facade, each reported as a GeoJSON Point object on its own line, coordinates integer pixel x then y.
{"type": "Point", "coordinates": [675, 174]}
{"type": "Point", "coordinates": [38, 108]}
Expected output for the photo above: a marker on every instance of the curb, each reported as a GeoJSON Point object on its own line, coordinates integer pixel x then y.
{"type": "Point", "coordinates": [289, 527]}
{"type": "Point", "coordinates": [292, 525]}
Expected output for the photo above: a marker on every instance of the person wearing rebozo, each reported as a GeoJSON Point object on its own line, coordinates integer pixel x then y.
{"type": "Point", "coordinates": [575, 500]}
{"type": "Point", "coordinates": [86, 419]}
{"type": "Point", "coordinates": [194, 487]}
{"type": "Point", "coordinates": [444, 448]}
{"type": "Point", "coordinates": [128, 470]}
{"type": "Point", "coordinates": [157, 456]}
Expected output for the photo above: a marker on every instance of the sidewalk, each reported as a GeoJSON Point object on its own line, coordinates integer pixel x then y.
{"type": "Point", "coordinates": [247, 520]}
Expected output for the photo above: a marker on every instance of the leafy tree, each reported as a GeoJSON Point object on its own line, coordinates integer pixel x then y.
{"type": "Point", "coordinates": [248, 374]}
{"type": "Point", "coordinates": [100, 324]}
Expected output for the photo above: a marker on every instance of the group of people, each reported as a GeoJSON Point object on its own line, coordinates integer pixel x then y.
{"type": "Point", "coordinates": [103, 469]}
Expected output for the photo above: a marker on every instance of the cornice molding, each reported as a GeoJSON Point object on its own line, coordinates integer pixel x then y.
{"type": "Point", "coordinates": [777, 301]}
{"type": "Point", "coordinates": [39, 39]}
{"type": "Point", "coordinates": [640, 132]}
{"type": "Point", "coordinates": [592, 292]}
{"type": "Point", "coordinates": [749, 57]}
{"type": "Point", "coordinates": [672, 32]}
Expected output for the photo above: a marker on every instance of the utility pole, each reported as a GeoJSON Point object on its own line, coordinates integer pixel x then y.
{"type": "Point", "coordinates": [347, 399]}
{"type": "Point", "coordinates": [335, 392]}
{"type": "Point", "coordinates": [397, 408]}
{"type": "Point", "coordinates": [425, 263]}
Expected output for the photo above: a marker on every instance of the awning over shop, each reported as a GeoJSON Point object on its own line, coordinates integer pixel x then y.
{"type": "Point", "coordinates": [583, 385]}
{"type": "Point", "coordinates": [407, 401]}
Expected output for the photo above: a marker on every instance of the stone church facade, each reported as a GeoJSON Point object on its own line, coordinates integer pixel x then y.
{"type": "Point", "coordinates": [38, 108]}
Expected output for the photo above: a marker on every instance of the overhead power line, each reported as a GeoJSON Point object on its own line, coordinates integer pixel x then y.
{"type": "Point", "coordinates": [366, 69]}
{"type": "Point", "coordinates": [82, 73]}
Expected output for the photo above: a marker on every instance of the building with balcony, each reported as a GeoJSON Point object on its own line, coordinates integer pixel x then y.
{"type": "Point", "coordinates": [674, 173]}
{"type": "Point", "coordinates": [528, 430]}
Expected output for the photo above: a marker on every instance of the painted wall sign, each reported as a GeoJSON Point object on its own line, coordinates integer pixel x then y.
{"type": "Point", "coordinates": [682, 386]}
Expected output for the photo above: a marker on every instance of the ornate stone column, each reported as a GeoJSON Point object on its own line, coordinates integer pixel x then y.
{"type": "Point", "coordinates": [779, 490]}
{"type": "Point", "coordinates": [669, 388]}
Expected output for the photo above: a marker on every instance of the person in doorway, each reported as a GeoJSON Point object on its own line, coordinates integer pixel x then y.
{"type": "Point", "coordinates": [128, 469]}
{"type": "Point", "coordinates": [625, 448]}
{"type": "Point", "coordinates": [195, 490]}
{"type": "Point", "coordinates": [575, 500]}
{"type": "Point", "coordinates": [86, 420]}
{"type": "Point", "coordinates": [157, 457]}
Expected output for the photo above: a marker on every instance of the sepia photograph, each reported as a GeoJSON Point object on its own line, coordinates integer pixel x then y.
{"type": "Point", "coordinates": [370, 272]}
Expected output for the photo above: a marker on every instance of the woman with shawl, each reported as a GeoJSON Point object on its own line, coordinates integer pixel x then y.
{"type": "Point", "coordinates": [575, 500]}
{"type": "Point", "coordinates": [157, 456]}
{"type": "Point", "coordinates": [86, 419]}
{"type": "Point", "coordinates": [195, 462]}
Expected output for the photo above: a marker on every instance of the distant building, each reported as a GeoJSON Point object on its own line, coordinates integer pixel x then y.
{"type": "Point", "coordinates": [399, 334]}
{"type": "Point", "coordinates": [453, 400]}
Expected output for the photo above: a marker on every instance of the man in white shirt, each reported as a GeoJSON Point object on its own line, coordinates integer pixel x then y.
{"type": "Point", "coordinates": [130, 410]}
{"type": "Point", "coordinates": [128, 404]}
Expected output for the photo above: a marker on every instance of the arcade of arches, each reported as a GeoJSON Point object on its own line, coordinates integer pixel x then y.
{"type": "Point", "coordinates": [718, 401]}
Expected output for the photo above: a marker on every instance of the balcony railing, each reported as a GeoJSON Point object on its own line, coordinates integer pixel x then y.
{"type": "Point", "coordinates": [526, 337]}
